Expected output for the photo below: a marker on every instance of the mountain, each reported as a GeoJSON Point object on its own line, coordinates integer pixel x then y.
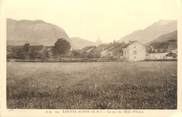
{"type": "Point", "coordinates": [78, 43]}
{"type": "Point", "coordinates": [38, 32]}
{"type": "Point", "coordinates": [166, 42]}
{"type": "Point", "coordinates": [34, 32]}
{"type": "Point", "coordinates": [172, 36]}
{"type": "Point", "coordinates": [151, 32]}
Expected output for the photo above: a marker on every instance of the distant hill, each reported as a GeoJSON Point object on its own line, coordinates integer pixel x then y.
{"type": "Point", "coordinates": [151, 32]}
{"type": "Point", "coordinates": [172, 36]}
{"type": "Point", "coordinates": [79, 43]}
{"type": "Point", "coordinates": [35, 32]}
{"type": "Point", "coordinates": [38, 32]}
{"type": "Point", "coordinates": [166, 42]}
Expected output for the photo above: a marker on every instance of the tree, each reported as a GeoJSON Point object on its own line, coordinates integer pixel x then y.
{"type": "Point", "coordinates": [26, 47]}
{"type": "Point", "coordinates": [61, 47]}
{"type": "Point", "coordinates": [24, 52]}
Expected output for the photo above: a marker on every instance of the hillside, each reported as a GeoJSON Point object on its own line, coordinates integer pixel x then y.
{"type": "Point", "coordinates": [165, 42]}
{"type": "Point", "coordinates": [35, 32]}
{"type": "Point", "coordinates": [151, 32]}
{"type": "Point", "coordinates": [172, 36]}
{"type": "Point", "coordinates": [38, 32]}
{"type": "Point", "coordinates": [79, 43]}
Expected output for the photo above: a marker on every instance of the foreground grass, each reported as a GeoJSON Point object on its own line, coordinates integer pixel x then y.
{"type": "Point", "coordinates": [111, 85]}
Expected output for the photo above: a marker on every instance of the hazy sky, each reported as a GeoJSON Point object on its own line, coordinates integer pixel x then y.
{"type": "Point", "coordinates": [91, 19]}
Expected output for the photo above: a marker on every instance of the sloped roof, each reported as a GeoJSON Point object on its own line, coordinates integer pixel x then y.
{"type": "Point", "coordinates": [130, 43]}
{"type": "Point", "coordinates": [88, 49]}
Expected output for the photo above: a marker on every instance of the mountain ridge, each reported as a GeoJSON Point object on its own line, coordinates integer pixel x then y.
{"type": "Point", "coordinates": [39, 32]}
{"type": "Point", "coordinates": [151, 32]}
{"type": "Point", "coordinates": [172, 36]}
{"type": "Point", "coordinates": [81, 43]}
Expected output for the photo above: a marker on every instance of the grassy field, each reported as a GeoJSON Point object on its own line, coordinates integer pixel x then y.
{"type": "Point", "coordinates": [96, 85]}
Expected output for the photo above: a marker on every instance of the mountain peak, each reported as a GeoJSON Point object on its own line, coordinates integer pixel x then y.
{"type": "Point", "coordinates": [39, 32]}
{"type": "Point", "coordinates": [152, 31]}
{"type": "Point", "coordinates": [24, 20]}
{"type": "Point", "coordinates": [165, 22]}
{"type": "Point", "coordinates": [33, 31]}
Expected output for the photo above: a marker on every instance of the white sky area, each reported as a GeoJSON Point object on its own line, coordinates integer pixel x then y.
{"type": "Point", "coordinates": [92, 19]}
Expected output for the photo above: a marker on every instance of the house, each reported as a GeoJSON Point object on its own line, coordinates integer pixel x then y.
{"type": "Point", "coordinates": [166, 53]}
{"type": "Point", "coordinates": [172, 54]}
{"type": "Point", "coordinates": [107, 52]}
{"type": "Point", "coordinates": [156, 56]}
{"type": "Point", "coordinates": [174, 51]}
{"type": "Point", "coordinates": [134, 51]}
{"type": "Point", "coordinates": [113, 50]}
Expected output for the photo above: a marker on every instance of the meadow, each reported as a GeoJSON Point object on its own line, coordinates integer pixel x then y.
{"type": "Point", "coordinates": [92, 85]}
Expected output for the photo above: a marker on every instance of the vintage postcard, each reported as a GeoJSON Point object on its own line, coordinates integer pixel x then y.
{"type": "Point", "coordinates": [90, 58]}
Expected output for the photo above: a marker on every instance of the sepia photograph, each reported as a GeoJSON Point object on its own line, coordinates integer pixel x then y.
{"type": "Point", "coordinates": [91, 54]}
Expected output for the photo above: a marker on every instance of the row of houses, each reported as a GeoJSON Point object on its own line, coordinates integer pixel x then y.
{"type": "Point", "coordinates": [135, 51]}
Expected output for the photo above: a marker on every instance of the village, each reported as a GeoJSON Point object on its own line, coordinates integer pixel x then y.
{"type": "Point", "coordinates": [101, 56]}
{"type": "Point", "coordinates": [115, 51]}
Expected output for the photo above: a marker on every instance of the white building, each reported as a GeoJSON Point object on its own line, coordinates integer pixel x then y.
{"type": "Point", "coordinates": [134, 51]}
{"type": "Point", "coordinates": [156, 56]}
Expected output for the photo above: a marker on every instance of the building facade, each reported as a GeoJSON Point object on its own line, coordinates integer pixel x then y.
{"type": "Point", "coordinates": [134, 51]}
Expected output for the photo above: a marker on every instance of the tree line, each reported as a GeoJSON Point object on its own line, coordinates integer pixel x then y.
{"type": "Point", "coordinates": [61, 48]}
{"type": "Point", "coordinates": [27, 51]}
